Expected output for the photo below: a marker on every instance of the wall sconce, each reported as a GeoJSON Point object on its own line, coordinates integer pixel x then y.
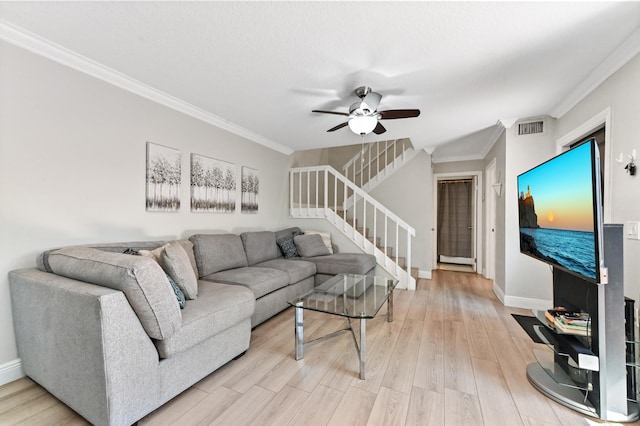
{"type": "Point", "coordinates": [631, 165]}
{"type": "Point", "coordinates": [498, 186]}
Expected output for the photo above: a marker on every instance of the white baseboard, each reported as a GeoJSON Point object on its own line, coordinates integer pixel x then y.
{"type": "Point", "coordinates": [498, 291]}
{"type": "Point", "coordinates": [11, 371]}
{"type": "Point", "coordinates": [522, 302]}
{"type": "Point", "coordinates": [424, 274]}
{"type": "Point", "coordinates": [527, 303]}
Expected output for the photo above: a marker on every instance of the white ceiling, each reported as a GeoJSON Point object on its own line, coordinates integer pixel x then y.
{"type": "Point", "coordinates": [259, 68]}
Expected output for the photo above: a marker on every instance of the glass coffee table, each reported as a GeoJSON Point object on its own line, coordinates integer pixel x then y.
{"type": "Point", "coordinates": [350, 296]}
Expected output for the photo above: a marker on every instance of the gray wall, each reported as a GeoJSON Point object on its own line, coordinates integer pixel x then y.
{"type": "Point", "coordinates": [409, 194]}
{"type": "Point", "coordinates": [72, 168]}
{"type": "Point", "coordinates": [527, 281]}
{"type": "Point", "coordinates": [620, 93]}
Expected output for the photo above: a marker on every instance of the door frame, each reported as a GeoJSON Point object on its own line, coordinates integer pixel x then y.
{"type": "Point", "coordinates": [477, 217]}
{"type": "Point", "coordinates": [490, 200]}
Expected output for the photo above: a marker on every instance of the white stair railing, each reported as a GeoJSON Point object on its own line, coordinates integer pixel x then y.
{"type": "Point", "coordinates": [322, 192]}
{"type": "Point", "coordinates": [376, 161]}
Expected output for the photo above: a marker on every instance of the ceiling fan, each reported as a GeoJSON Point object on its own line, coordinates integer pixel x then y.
{"type": "Point", "coordinates": [364, 115]}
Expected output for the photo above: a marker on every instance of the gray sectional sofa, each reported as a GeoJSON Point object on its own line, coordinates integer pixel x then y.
{"type": "Point", "coordinates": [102, 330]}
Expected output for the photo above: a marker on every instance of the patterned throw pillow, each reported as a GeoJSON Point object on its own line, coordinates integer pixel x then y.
{"type": "Point", "coordinates": [177, 291]}
{"type": "Point", "coordinates": [288, 247]}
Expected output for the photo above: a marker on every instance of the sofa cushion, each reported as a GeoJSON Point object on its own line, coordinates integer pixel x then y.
{"type": "Point", "coordinates": [288, 232]}
{"type": "Point", "coordinates": [218, 307]}
{"type": "Point", "coordinates": [175, 262]}
{"type": "Point", "coordinates": [326, 238]}
{"type": "Point", "coordinates": [310, 245]}
{"type": "Point", "coordinates": [344, 263]}
{"type": "Point", "coordinates": [260, 246]}
{"type": "Point", "coordinates": [259, 280]}
{"type": "Point", "coordinates": [188, 248]}
{"type": "Point", "coordinates": [297, 271]}
{"type": "Point", "coordinates": [218, 252]}
{"type": "Point", "coordinates": [141, 279]}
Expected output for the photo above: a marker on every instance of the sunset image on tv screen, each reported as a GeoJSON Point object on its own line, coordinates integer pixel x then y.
{"type": "Point", "coordinates": [556, 212]}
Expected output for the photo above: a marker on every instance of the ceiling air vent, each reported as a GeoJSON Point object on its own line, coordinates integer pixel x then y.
{"type": "Point", "coordinates": [531, 128]}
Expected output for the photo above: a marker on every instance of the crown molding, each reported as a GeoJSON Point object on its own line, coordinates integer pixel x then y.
{"type": "Point", "coordinates": [46, 48]}
{"type": "Point", "coordinates": [616, 60]}
{"type": "Point", "coordinates": [456, 158]}
{"type": "Point", "coordinates": [498, 129]}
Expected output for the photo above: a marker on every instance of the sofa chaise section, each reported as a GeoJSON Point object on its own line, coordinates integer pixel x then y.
{"type": "Point", "coordinates": [86, 344]}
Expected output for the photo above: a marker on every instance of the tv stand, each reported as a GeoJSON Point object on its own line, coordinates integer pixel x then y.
{"type": "Point", "coordinates": [589, 374]}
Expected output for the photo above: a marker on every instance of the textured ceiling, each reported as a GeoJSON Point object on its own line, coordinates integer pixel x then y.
{"type": "Point", "coordinates": [263, 66]}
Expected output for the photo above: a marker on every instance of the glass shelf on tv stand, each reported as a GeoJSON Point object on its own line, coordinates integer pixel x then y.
{"type": "Point", "coordinates": [560, 366]}
{"type": "Point", "coordinates": [579, 379]}
{"type": "Point", "coordinates": [540, 315]}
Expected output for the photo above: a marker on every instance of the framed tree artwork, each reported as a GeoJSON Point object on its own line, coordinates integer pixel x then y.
{"type": "Point", "coordinates": [250, 189]}
{"type": "Point", "coordinates": [164, 168]}
{"type": "Point", "coordinates": [213, 185]}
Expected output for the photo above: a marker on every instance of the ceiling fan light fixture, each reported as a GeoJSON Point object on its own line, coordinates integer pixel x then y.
{"type": "Point", "coordinates": [371, 101]}
{"type": "Point", "coordinates": [362, 125]}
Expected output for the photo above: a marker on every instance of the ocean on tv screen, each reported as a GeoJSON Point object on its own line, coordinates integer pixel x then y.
{"type": "Point", "coordinates": [573, 250]}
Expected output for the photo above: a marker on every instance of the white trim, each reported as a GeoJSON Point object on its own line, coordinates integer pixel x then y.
{"type": "Point", "coordinates": [43, 47]}
{"type": "Point", "coordinates": [490, 201]}
{"type": "Point", "coordinates": [616, 60]}
{"type": "Point", "coordinates": [497, 132]}
{"type": "Point", "coordinates": [455, 158]}
{"type": "Point", "coordinates": [527, 303]}
{"type": "Point", "coordinates": [498, 292]}
{"type": "Point", "coordinates": [425, 275]}
{"type": "Point", "coordinates": [478, 222]}
{"type": "Point", "coordinates": [11, 371]}
{"type": "Point", "coordinates": [586, 128]}
{"type": "Point", "coordinates": [493, 138]}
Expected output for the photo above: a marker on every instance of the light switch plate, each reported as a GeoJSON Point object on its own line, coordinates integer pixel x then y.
{"type": "Point", "coordinates": [632, 229]}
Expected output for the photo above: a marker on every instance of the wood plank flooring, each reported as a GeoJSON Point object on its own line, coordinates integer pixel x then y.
{"type": "Point", "coordinates": [453, 355]}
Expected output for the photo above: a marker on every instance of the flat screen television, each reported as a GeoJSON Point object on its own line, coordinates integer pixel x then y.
{"type": "Point", "coordinates": [560, 212]}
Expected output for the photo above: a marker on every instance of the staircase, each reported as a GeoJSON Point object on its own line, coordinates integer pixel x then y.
{"type": "Point", "coordinates": [323, 192]}
{"type": "Point", "coordinates": [377, 161]}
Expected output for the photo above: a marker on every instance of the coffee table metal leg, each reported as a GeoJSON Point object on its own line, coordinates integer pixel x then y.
{"type": "Point", "coordinates": [363, 345]}
{"type": "Point", "coordinates": [390, 308]}
{"type": "Point", "coordinates": [299, 334]}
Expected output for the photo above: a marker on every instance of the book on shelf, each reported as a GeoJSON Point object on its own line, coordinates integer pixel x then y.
{"type": "Point", "coordinates": [578, 323]}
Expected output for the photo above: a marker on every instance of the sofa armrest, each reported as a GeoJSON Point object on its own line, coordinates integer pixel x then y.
{"type": "Point", "coordinates": [85, 345]}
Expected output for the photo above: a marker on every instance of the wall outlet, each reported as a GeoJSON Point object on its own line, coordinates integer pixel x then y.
{"type": "Point", "coordinates": [632, 229]}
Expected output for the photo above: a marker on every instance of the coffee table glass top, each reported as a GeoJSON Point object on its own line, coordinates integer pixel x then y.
{"type": "Point", "coordinates": [348, 295]}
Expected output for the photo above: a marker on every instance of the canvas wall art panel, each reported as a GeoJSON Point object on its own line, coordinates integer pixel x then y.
{"type": "Point", "coordinates": [213, 185]}
{"type": "Point", "coordinates": [250, 190]}
{"type": "Point", "coordinates": [164, 168]}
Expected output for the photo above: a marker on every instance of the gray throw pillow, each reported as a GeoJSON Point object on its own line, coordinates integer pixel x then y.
{"type": "Point", "coordinates": [310, 245]}
{"type": "Point", "coordinates": [175, 262]}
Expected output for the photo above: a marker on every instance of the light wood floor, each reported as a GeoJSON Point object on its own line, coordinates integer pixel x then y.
{"type": "Point", "coordinates": [452, 356]}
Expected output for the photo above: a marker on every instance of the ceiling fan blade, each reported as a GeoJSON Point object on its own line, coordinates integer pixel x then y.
{"type": "Point", "coordinates": [338, 127]}
{"type": "Point", "coordinates": [379, 129]}
{"type": "Point", "coordinates": [398, 113]}
{"type": "Point", "coordinates": [331, 112]}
